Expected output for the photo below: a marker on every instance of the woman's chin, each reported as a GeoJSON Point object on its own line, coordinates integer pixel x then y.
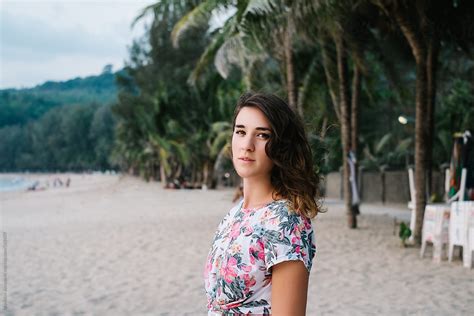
{"type": "Point", "coordinates": [243, 174]}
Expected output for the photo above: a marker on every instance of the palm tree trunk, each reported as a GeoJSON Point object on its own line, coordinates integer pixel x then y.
{"type": "Point", "coordinates": [205, 173]}
{"type": "Point", "coordinates": [356, 81]}
{"type": "Point", "coordinates": [345, 127]}
{"type": "Point", "coordinates": [324, 127]}
{"type": "Point", "coordinates": [420, 147]}
{"type": "Point", "coordinates": [211, 177]}
{"type": "Point", "coordinates": [412, 34]}
{"type": "Point", "coordinates": [431, 69]}
{"type": "Point", "coordinates": [290, 74]}
{"type": "Point", "coordinates": [330, 79]}
{"type": "Point", "coordinates": [163, 176]}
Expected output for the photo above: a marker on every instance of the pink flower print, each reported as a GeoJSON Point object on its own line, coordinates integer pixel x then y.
{"type": "Point", "coordinates": [228, 270]}
{"type": "Point", "coordinates": [247, 211]}
{"type": "Point", "coordinates": [248, 229]}
{"type": "Point", "coordinates": [274, 221]}
{"type": "Point", "coordinates": [298, 249]}
{"type": "Point", "coordinates": [307, 223]}
{"type": "Point", "coordinates": [249, 281]}
{"type": "Point", "coordinates": [266, 214]}
{"type": "Point", "coordinates": [247, 269]}
{"type": "Point", "coordinates": [295, 239]}
{"type": "Point", "coordinates": [296, 230]}
{"type": "Point", "coordinates": [207, 268]}
{"type": "Point", "coordinates": [235, 230]}
{"type": "Point", "coordinates": [232, 305]}
{"type": "Point", "coordinates": [252, 255]}
{"type": "Point", "coordinates": [217, 263]}
{"type": "Point", "coordinates": [256, 252]}
{"type": "Point", "coordinates": [235, 248]}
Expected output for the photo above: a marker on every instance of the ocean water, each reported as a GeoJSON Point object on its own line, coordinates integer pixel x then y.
{"type": "Point", "coordinates": [14, 183]}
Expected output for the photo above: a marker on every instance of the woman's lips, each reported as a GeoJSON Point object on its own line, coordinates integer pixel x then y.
{"type": "Point", "coordinates": [244, 159]}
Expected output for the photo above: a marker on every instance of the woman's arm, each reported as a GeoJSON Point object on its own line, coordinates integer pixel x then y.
{"type": "Point", "coordinates": [289, 288]}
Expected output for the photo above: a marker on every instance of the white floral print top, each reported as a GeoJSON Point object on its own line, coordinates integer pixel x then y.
{"type": "Point", "coordinates": [248, 242]}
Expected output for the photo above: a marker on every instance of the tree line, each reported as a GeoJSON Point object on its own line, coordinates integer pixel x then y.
{"type": "Point", "coordinates": [59, 126]}
{"type": "Point", "coordinates": [350, 68]}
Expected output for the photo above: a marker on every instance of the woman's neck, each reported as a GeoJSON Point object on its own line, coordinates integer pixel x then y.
{"type": "Point", "coordinates": [257, 192]}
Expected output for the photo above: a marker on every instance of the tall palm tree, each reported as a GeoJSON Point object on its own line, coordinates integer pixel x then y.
{"type": "Point", "coordinates": [243, 40]}
{"type": "Point", "coordinates": [423, 24]}
{"type": "Point", "coordinates": [337, 27]}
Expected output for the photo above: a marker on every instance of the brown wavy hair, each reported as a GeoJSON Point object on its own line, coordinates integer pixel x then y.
{"type": "Point", "coordinates": [293, 175]}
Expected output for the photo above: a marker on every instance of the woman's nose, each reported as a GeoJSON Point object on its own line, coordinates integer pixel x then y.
{"type": "Point", "coordinates": [248, 144]}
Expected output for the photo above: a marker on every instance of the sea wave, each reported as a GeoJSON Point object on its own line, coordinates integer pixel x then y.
{"type": "Point", "coordinates": [8, 184]}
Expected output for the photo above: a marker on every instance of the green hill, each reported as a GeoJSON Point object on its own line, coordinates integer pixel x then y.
{"type": "Point", "coordinates": [58, 126]}
{"type": "Point", "coordinates": [19, 106]}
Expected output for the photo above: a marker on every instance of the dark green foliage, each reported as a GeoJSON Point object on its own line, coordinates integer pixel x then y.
{"type": "Point", "coordinates": [171, 105]}
{"type": "Point", "coordinates": [165, 123]}
{"type": "Point", "coordinates": [77, 137]}
{"type": "Point", "coordinates": [58, 125]}
{"type": "Point", "coordinates": [404, 233]}
{"type": "Point", "coordinates": [23, 105]}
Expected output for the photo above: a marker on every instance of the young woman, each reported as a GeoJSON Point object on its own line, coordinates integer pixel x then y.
{"type": "Point", "coordinates": [263, 249]}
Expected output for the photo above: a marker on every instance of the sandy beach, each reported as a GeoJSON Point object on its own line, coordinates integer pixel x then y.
{"type": "Point", "coordinates": [111, 245]}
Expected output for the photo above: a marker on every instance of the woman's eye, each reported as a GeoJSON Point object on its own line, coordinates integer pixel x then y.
{"type": "Point", "coordinates": [264, 136]}
{"type": "Point", "coordinates": [240, 132]}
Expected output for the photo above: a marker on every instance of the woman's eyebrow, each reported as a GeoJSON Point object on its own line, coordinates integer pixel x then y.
{"type": "Point", "coordinates": [257, 128]}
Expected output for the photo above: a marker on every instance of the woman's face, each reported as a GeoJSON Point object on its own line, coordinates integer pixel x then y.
{"type": "Point", "coordinates": [251, 133]}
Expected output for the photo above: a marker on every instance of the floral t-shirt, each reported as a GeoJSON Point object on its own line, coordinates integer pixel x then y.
{"type": "Point", "coordinates": [248, 242]}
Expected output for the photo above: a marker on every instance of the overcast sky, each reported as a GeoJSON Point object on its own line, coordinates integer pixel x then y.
{"type": "Point", "coordinates": [58, 40]}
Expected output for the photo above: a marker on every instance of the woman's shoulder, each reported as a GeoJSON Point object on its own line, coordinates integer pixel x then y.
{"type": "Point", "coordinates": [281, 211]}
{"type": "Point", "coordinates": [233, 210]}
{"type": "Point", "coordinates": [282, 208]}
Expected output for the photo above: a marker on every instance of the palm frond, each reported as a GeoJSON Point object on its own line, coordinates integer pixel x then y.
{"type": "Point", "coordinates": [262, 7]}
{"type": "Point", "coordinates": [218, 127]}
{"type": "Point", "coordinates": [404, 145]}
{"type": "Point", "coordinates": [383, 142]}
{"type": "Point", "coordinates": [231, 52]}
{"type": "Point", "coordinates": [219, 142]}
{"type": "Point", "coordinates": [198, 16]}
{"type": "Point", "coordinates": [182, 152]}
{"type": "Point", "coordinates": [206, 58]}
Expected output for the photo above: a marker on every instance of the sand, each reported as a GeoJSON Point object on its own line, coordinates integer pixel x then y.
{"type": "Point", "coordinates": [111, 245]}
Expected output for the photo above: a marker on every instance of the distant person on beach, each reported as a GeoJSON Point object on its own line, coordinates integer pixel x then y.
{"type": "Point", "coordinates": [262, 253]}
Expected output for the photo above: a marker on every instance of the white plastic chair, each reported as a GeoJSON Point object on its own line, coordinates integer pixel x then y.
{"type": "Point", "coordinates": [469, 248]}
{"type": "Point", "coordinates": [467, 255]}
{"type": "Point", "coordinates": [435, 229]}
{"type": "Point", "coordinates": [457, 228]}
{"type": "Point", "coordinates": [461, 230]}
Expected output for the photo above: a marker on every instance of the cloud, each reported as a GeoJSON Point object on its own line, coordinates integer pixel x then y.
{"type": "Point", "coordinates": [54, 40]}
{"type": "Point", "coordinates": [31, 39]}
{"type": "Point", "coordinates": [27, 74]}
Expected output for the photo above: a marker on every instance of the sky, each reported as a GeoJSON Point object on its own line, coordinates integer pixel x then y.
{"type": "Point", "coordinates": [57, 40]}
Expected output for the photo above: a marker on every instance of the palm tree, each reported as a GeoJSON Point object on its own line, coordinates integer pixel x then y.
{"type": "Point", "coordinates": [336, 27]}
{"type": "Point", "coordinates": [423, 24]}
{"type": "Point", "coordinates": [243, 40]}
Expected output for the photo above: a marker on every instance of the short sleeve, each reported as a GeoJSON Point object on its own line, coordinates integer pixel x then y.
{"type": "Point", "coordinates": [287, 237]}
